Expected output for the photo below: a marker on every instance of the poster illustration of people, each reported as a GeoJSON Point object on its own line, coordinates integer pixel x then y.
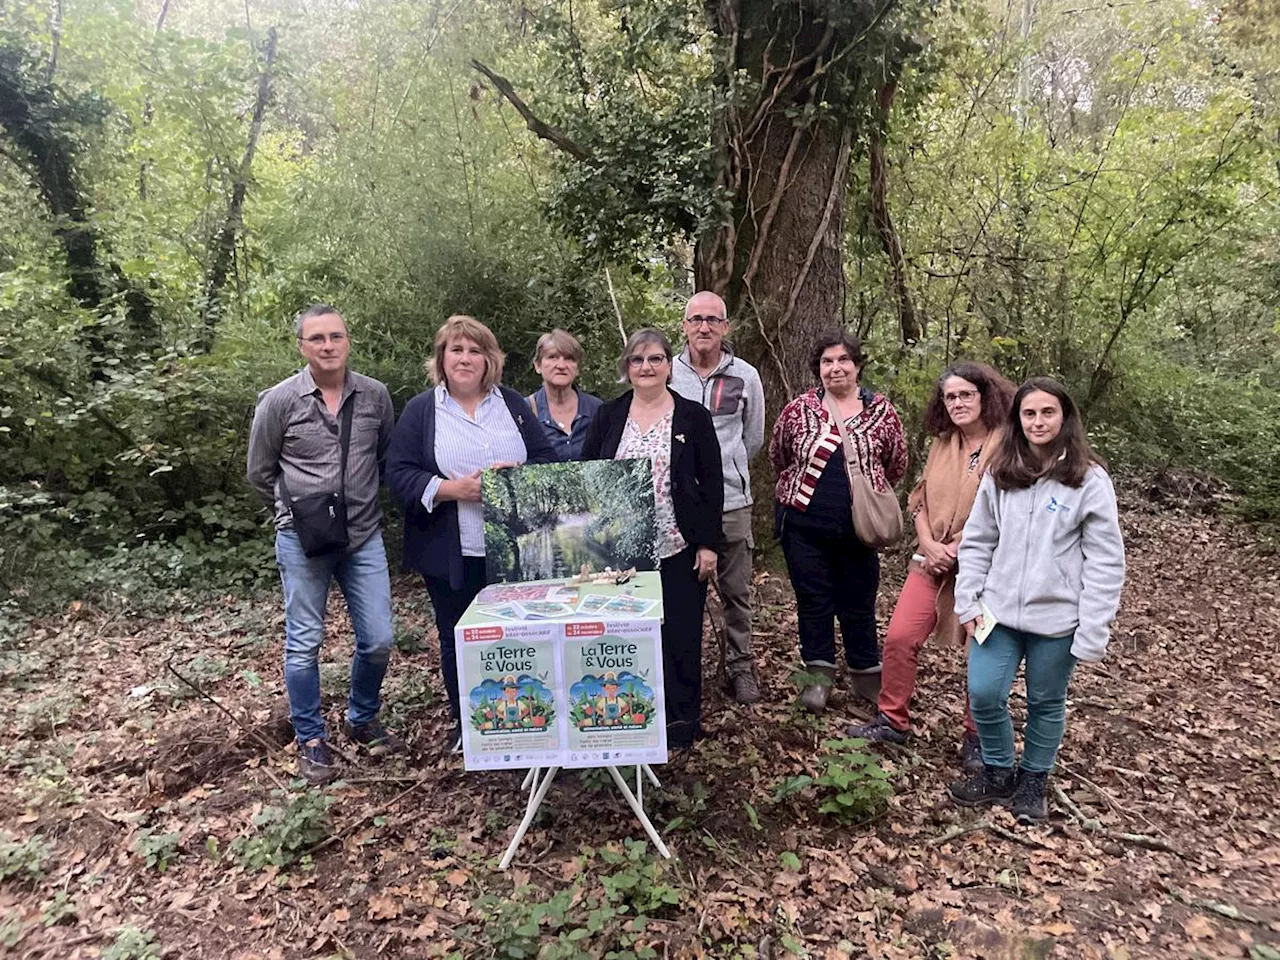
{"type": "Point", "coordinates": [612, 677]}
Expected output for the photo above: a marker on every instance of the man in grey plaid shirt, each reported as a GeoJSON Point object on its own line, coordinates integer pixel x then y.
{"type": "Point", "coordinates": [296, 437]}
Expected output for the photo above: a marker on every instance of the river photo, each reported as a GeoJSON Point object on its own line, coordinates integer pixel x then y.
{"type": "Point", "coordinates": [545, 521]}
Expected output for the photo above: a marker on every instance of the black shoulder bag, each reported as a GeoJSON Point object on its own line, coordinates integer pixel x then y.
{"type": "Point", "coordinates": [320, 520]}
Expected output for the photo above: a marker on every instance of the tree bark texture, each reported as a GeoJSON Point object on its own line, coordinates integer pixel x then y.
{"type": "Point", "coordinates": [776, 257]}
{"type": "Point", "coordinates": [224, 244]}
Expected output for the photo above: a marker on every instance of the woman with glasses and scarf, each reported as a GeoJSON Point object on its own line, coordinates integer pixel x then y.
{"type": "Point", "coordinates": [966, 415]}
{"type": "Point", "coordinates": [650, 420]}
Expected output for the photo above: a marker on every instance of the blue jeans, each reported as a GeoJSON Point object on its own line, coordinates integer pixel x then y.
{"type": "Point", "coordinates": [992, 667]}
{"type": "Point", "coordinates": [366, 585]}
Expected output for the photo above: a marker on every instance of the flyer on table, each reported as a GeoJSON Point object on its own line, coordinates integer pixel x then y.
{"type": "Point", "coordinates": [613, 678]}
{"type": "Point", "coordinates": [508, 682]}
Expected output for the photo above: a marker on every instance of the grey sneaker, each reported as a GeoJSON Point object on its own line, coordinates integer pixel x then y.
{"type": "Point", "coordinates": [315, 763]}
{"type": "Point", "coordinates": [879, 730]}
{"type": "Point", "coordinates": [971, 754]}
{"type": "Point", "coordinates": [744, 688]}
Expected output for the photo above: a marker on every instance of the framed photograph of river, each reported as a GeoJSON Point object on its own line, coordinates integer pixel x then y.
{"type": "Point", "coordinates": [546, 520]}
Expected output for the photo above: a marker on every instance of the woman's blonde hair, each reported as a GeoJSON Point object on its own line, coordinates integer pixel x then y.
{"type": "Point", "coordinates": [560, 341]}
{"type": "Point", "coordinates": [458, 327]}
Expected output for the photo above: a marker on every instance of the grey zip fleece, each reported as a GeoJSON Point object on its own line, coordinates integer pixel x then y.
{"type": "Point", "coordinates": [1048, 559]}
{"type": "Point", "coordinates": [735, 398]}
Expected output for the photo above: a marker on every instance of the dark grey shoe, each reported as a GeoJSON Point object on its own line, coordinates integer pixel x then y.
{"type": "Point", "coordinates": [879, 730]}
{"type": "Point", "coordinates": [992, 785]}
{"type": "Point", "coordinates": [374, 737]}
{"type": "Point", "coordinates": [866, 683]}
{"type": "Point", "coordinates": [1030, 805]}
{"type": "Point", "coordinates": [744, 688]}
{"type": "Point", "coordinates": [971, 754]}
{"type": "Point", "coordinates": [816, 693]}
{"type": "Point", "coordinates": [315, 762]}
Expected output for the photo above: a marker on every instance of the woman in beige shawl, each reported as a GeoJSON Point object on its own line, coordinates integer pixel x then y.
{"type": "Point", "coordinates": [965, 415]}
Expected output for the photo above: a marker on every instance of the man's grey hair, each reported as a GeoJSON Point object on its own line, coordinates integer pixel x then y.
{"type": "Point", "coordinates": [315, 310]}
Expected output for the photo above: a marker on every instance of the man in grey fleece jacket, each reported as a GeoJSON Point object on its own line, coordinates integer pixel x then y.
{"type": "Point", "coordinates": [707, 372]}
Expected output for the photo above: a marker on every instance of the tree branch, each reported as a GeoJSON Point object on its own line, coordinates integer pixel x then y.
{"type": "Point", "coordinates": [542, 130]}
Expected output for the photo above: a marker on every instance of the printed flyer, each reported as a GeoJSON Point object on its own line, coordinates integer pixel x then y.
{"type": "Point", "coordinates": [510, 710]}
{"type": "Point", "coordinates": [613, 681]}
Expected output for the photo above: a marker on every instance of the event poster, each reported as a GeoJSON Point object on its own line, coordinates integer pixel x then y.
{"type": "Point", "coordinates": [613, 676]}
{"type": "Point", "coordinates": [571, 693]}
{"type": "Point", "coordinates": [510, 714]}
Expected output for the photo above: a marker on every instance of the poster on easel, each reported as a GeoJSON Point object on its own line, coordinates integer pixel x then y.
{"type": "Point", "coordinates": [581, 690]}
{"type": "Point", "coordinates": [613, 682]}
{"type": "Point", "coordinates": [511, 712]}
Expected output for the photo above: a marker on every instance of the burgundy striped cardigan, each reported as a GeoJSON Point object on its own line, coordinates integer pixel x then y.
{"type": "Point", "coordinates": [805, 436]}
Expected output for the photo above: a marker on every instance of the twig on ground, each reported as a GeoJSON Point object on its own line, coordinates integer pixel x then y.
{"type": "Point", "coordinates": [376, 812]}
{"type": "Point", "coordinates": [1104, 794]}
{"type": "Point", "coordinates": [961, 829]}
{"type": "Point", "coordinates": [1221, 909]}
{"type": "Point", "coordinates": [168, 665]}
{"type": "Point", "coordinates": [1094, 825]}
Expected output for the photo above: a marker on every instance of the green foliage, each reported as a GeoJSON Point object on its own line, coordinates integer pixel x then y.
{"type": "Point", "coordinates": [852, 787]}
{"type": "Point", "coordinates": [132, 943]}
{"type": "Point", "coordinates": [282, 835]}
{"type": "Point", "coordinates": [157, 850]}
{"type": "Point", "coordinates": [23, 860]}
{"type": "Point", "coordinates": [584, 921]}
{"type": "Point", "coordinates": [59, 908]}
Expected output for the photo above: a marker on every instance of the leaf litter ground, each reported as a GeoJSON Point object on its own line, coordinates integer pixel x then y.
{"type": "Point", "coordinates": [1164, 840]}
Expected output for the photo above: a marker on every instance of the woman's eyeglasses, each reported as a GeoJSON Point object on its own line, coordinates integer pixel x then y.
{"type": "Point", "coordinates": [654, 360]}
{"type": "Point", "coordinates": [960, 396]}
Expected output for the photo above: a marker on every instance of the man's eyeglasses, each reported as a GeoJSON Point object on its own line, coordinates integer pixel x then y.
{"type": "Point", "coordinates": [654, 360]}
{"type": "Point", "coordinates": [318, 339]}
{"type": "Point", "coordinates": [698, 321]}
{"type": "Point", "coordinates": [960, 396]}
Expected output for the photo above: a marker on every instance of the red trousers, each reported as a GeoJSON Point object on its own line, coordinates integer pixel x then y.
{"type": "Point", "coordinates": [913, 620]}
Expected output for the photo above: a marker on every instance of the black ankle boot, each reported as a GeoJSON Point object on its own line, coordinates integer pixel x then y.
{"type": "Point", "coordinates": [1029, 802]}
{"type": "Point", "coordinates": [992, 785]}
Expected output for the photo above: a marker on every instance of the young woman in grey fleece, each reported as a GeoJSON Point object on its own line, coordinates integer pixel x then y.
{"type": "Point", "coordinates": [1042, 556]}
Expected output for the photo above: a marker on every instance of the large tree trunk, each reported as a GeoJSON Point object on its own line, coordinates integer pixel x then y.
{"type": "Point", "coordinates": [784, 160]}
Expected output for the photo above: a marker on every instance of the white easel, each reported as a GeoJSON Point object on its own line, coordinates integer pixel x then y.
{"type": "Point", "coordinates": [538, 786]}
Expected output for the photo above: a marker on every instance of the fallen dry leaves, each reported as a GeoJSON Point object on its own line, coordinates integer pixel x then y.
{"type": "Point", "coordinates": [1174, 738]}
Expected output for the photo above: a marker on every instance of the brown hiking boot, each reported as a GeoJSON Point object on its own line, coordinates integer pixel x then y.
{"type": "Point", "coordinates": [376, 739]}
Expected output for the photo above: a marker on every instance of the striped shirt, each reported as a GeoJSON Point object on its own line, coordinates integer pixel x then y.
{"type": "Point", "coordinates": [295, 436]}
{"type": "Point", "coordinates": [464, 445]}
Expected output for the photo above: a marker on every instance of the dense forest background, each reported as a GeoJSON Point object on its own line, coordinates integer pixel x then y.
{"type": "Point", "coordinates": [1072, 187]}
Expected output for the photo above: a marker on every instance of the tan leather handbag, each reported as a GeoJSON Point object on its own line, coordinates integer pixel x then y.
{"type": "Point", "coordinates": [877, 518]}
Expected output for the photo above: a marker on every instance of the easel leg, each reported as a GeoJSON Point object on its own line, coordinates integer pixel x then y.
{"type": "Point", "coordinates": [536, 795]}
{"type": "Point", "coordinates": [638, 810]}
{"type": "Point", "coordinates": [650, 775]}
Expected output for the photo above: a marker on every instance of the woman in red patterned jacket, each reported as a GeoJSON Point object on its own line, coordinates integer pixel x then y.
{"type": "Point", "coordinates": [835, 575]}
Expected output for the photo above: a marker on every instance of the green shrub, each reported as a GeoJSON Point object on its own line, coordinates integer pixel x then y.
{"type": "Point", "coordinates": [282, 835]}
{"type": "Point", "coordinates": [853, 785]}
{"type": "Point", "coordinates": [22, 859]}
{"type": "Point", "coordinates": [132, 943]}
{"type": "Point", "coordinates": [157, 850]}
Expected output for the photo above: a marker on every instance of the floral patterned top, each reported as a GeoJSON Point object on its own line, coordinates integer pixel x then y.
{"type": "Point", "coordinates": [655, 443]}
